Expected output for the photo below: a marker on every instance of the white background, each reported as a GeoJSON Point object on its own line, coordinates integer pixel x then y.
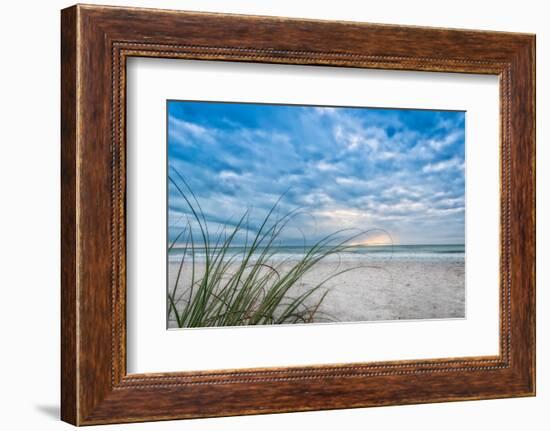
{"type": "Point", "coordinates": [29, 229]}
{"type": "Point", "coordinates": [151, 348]}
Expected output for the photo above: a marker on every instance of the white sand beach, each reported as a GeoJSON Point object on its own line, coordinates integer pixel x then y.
{"type": "Point", "coordinates": [384, 290]}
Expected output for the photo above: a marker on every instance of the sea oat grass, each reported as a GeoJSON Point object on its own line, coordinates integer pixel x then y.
{"type": "Point", "coordinates": [253, 286]}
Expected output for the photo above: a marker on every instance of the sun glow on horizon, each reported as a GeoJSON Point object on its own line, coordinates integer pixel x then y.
{"type": "Point", "coordinates": [375, 240]}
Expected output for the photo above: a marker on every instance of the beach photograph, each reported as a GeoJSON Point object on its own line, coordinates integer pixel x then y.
{"type": "Point", "coordinates": [299, 214]}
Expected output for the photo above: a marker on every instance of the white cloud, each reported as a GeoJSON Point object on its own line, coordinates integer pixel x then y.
{"type": "Point", "coordinates": [355, 182]}
{"type": "Point", "coordinates": [324, 110]}
{"type": "Point", "coordinates": [317, 198]}
{"type": "Point", "coordinates": [388, 155]}
{"type": "Point", "coordinates": [182, 130]}
{"type": "Point", "coordinates": [443, 211]}
{"type": "Point", "coordinates": [451, 202]}
{"type": "Point", "coordinates": [326, 167]}
{"type": "Point", "coordinates": [229, 175]}
{"type": "Point", "coordinates": [352, 136]}
{"type": "Point", "coordinates": [449, 139]}
{"type": "Point", "coordinates": [404, 206]}
{"type": "Point", "coordinates": [400, 190]}
{"type": "Point", "coordinates": [454, 163]}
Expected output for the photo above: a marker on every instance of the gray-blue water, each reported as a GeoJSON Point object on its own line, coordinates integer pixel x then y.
{"type": "Point", "coordinates": [435, 252]}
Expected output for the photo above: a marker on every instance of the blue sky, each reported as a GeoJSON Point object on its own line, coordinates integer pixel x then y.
{"type": "Point", "coordinates": [394, 169]}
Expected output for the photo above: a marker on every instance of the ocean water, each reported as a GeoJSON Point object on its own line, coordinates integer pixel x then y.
{"type": "Point", "coordinates": [448, 252]}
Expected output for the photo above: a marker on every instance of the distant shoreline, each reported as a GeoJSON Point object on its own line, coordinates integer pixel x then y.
{"type": "Point", "coordinates": [453, 252]}
{"type": "Point", "coordinates": [366, 246]}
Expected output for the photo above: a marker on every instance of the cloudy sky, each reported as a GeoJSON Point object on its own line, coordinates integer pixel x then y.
{"type": "Point", "coordinates": [393, 169]}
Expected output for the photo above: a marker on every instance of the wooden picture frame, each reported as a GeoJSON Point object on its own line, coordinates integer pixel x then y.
{"type": "Point", "coordinates": [95, 43]}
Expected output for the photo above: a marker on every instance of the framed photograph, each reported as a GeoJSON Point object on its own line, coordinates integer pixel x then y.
{"type": "Point", "coordinates": [264, 215]}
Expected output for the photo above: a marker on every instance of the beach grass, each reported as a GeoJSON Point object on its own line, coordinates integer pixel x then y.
{"type": "Point", "coordinates": [254, 285]}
